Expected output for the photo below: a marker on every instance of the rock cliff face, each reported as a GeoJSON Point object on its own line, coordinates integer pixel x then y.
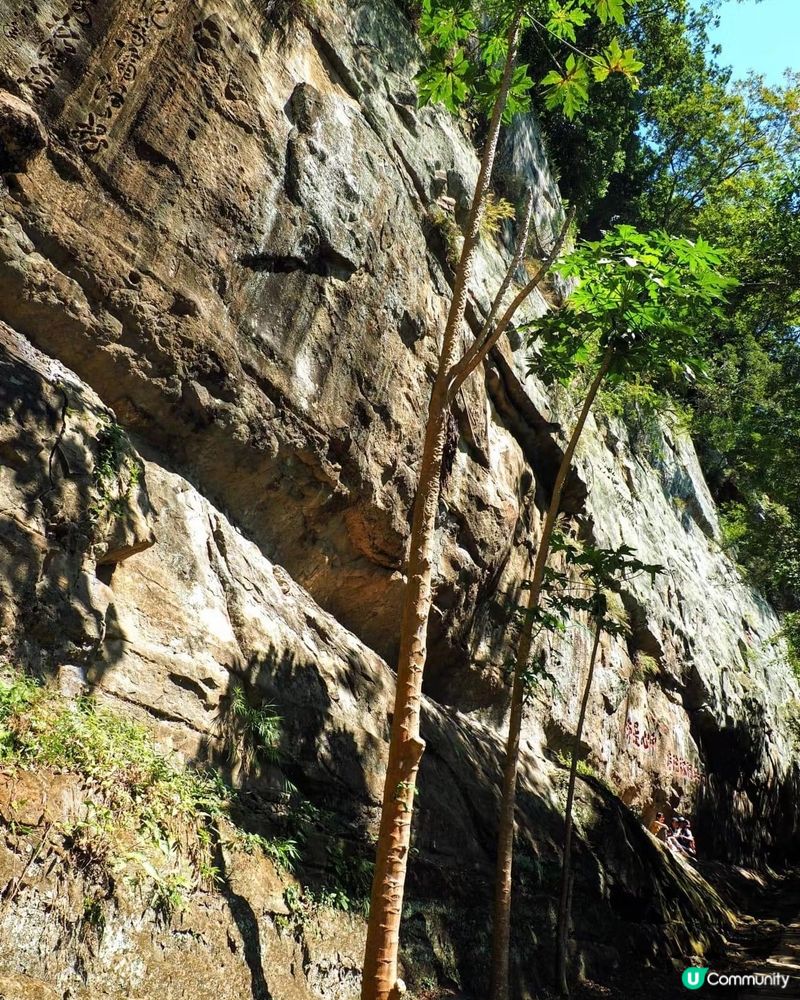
{"type": "Point", "coordinates": [224, 239]}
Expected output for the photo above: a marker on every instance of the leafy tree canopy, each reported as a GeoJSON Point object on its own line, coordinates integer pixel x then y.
{"type": "Point", "coordinates": [642, 301]}
{"type": "Point", "coordinates": [693, 152]}
{"type": "Point", "coordinates": [647, 128]}
{"type": "Point", "coordinates": [466, 43]}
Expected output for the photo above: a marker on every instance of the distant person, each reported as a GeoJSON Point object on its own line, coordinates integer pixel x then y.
{"type": "Point", "coordinates": [658, 827]}
{"type": "Point", "coordinates": [680, 838]}
{"type": "Point", "coordinates": [673, 839]}
{"type": "Point", "coordinates": [687, 840]}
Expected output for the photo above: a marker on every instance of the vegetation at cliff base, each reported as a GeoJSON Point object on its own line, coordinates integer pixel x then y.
{"type": "Point", "coordinates": [147, 816]}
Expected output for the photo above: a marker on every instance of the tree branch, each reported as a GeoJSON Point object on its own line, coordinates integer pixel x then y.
{"type": "Point", "coordinates": [462, 370]}
{"type": "Point", "coordinates": [519, 253]}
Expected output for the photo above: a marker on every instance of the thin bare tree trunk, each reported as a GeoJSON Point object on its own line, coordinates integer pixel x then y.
{"type": "Point", "coordinates": [406, 746]}
{"type": "Point", "coordinates": [501, 930]}
{"type": "Point", "coordinates": [488, 337]}
{"type": "Point", "coordinates": [564, 908]}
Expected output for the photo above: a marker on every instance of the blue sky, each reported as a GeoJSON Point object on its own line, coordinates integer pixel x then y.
{"type": "Point", "coordinates": [761, 36]}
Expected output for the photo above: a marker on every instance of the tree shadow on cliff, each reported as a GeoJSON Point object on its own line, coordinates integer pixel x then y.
{"type": "Point", "coordinates": [46, 528]}
{"type": "Point", "coordinates": [245, 919]}
{"type": "Point", "coordinates": [309, 789]}
{"type": "Point", "coordinates": [313, 757]}
{"type": "Point", "coordinates": [631, 897]}
{"type": "Point", "coordinates": [626, 888]}
{"type": "Point", "coordinates": [55, 519]}
{"type": "Point", "coordinates": [489, 643]}
{"type": "Point", "coordinates": [745, 811]}
{"type": "Point", "coordinates": [32, 413]}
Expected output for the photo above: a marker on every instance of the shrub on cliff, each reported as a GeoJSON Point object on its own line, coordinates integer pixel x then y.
{"type": "Point", "coordinates": [147, 815]}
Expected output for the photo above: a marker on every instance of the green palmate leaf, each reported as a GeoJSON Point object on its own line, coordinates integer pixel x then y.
{"type": "Point", "coordinates": [564, 19]}
{"type": "Point", "coordinates": [611, 10]}
{"type": "Point", "coordinates": [569, 90]}
{"type": "Point", "coordinates": [446, 85]}
{"type": "Point", "coordinates": [614, 60]}
{"type": "Point", "coordinates": [518, 95]}
{"type": "Point", "coordinates": [493, 49]}
{"type": "Point", "coordinates": [446, 25]}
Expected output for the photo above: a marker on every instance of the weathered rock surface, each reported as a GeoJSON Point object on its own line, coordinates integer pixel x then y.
{"type": "Point", "coordinates": [202, 610]}
{"type": "Point", "coordinates": [86, 939]}
{"type": "Point", "coordinates": [71, 500]}
{"type": "Point", "coordinates": [225, 234]}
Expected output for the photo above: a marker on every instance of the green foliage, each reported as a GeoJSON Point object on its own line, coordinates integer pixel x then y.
{"type": "Point", "coordinates": [450, 233]}
{"type": "Point", "coordinates": [747, 416]}
{"type": "Point", "coordinates": [639, 403]}
{"type": "Point", "coordinates": [791, 718]}
{"type": "Point", "coordinates": [351, 875]}
{"type": "Point", "coordinates": [644, 409]}
{"type": "Point", "coordinates": [495, 212]}
{"type": "Point", "coordinates": [611, 10]}
{"type": "Point", "coordinates": [16, 698]}
{"type": "Point", "coordinates": [564, 19]}
{"type": "Point", "coordinates": [94, 914]}
{"type": "Point", "coordinates": [258, 730]}
{"type": "Point", "coordinates": [790, 633]}
{"type": "Point", "coordinates": [116, 472]}
{"type": "Point", "coordinates": [584, 768]}
{"type": "Point", "coordinates": [764, 537]}
{"type": "Point", "coordinates": [568, 89]}
{"type": "Point", "coordinates": [283, 852]}
{"type": "Point", "coordinates": [591, 579]}
{"type": "Point", "coordinates": [149, 817]}
{"type": "Point", "coordinates": [466, 42]}
{"type": "Point", "coordinates": [641, 299]}
{"type": "Point", "coordinates": [586, 582]}
{"type": "Point", "coordinates": [150, 812]}
{"type": "Point", "coordinates": [169, 891]}
{"type": "Point", "coordinates": [304, 902]}
{"type": "Point", "coordinates": [614, 59]}
{"type": "Point", "coordinates": [609, 151]}
{"type": "Point", "coordinates": [466, 45]}
{"type": "Point", "coordinates": [748, 421]}
{"type": "Point", "coordinates": [646, 668]}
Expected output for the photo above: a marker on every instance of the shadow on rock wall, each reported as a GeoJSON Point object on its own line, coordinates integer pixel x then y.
{"type": "Point", "coordinates": [744, 812]}
{"type": "Point", "coordinates": [73, 504]}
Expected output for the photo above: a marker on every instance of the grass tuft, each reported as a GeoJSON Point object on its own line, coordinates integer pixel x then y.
{"type": "Point", "coordinates": [148, 816]}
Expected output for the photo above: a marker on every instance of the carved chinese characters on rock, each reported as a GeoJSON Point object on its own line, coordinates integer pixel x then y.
{"type": "Point", "coordinates": [636, 735]}
{"type": "Point", "coordinates": [683, 767]}
{"type": "Point", "coordinates": [112, 86]}
{"type": "Point", "coordinates": [62, 41]}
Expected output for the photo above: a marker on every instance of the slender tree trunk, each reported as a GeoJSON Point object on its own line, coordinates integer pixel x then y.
{"type": "Point", "coordinates": [405, 746]}
{"type": "Point", "coordinates": [501, 930]}
{"type": "Point", "coordinates": [564, 908]}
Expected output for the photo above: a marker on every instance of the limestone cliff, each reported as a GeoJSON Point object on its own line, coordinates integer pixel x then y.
{"type": "Point", "coordinates": [224, 232]}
